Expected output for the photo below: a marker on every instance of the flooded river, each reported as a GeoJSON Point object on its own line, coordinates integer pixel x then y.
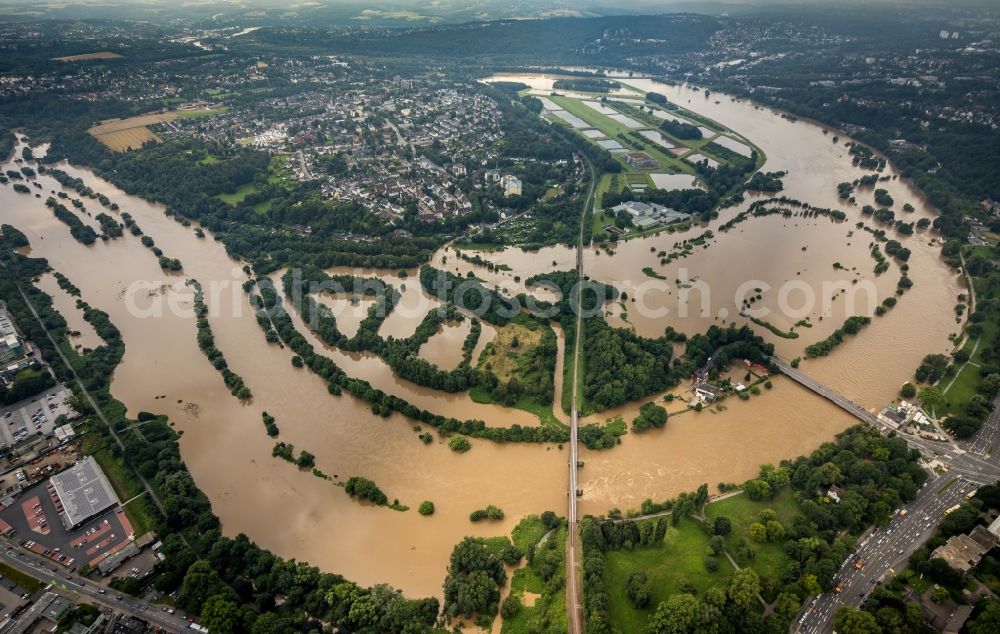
{"type": "Point", "coordinates": [224, 444]}
{"type": "Point", "coordinates": [301, 516]}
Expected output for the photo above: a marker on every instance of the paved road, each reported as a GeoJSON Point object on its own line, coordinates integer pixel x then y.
{"type": "Point", "coordinates": [77, 587]}
{"type": "Point", "coordinates": [831, 395]}
{"type": "Point", "coordinates": [574, 598]}
{"type": "Point", "coordinates": [969, 463]}
{"type": "Point", "coordinates": [884, 551]}
{"type": "Point", "coordinates": [400, 140]}
{"type": "Point", "coordinates": [988, 435]}
{"type": "Point", "coordinates": [303, 166]}
{"type": "Point", "coordinates": [887, 549]}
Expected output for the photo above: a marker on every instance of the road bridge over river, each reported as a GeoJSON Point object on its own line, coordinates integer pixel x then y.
{"type": "Point", "coordinates": [972, 464]}
{"type": "Point", "coordinates": [967, 466]}
{"type": "Point", "coordinates": [829, 394]}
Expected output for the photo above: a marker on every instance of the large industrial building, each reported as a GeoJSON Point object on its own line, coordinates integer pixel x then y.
{"type": "Point", "coordinates": [81, 492]}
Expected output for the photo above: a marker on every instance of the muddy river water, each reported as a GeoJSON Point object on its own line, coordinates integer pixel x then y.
{"type": "Point", "coordinates": [298, 515]}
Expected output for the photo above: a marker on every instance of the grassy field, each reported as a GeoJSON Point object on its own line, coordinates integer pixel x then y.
{"type": "Point", "coordinates": [612, 129]}
{"type": "Point", "coordinates": [607, 183]}
{"type": "Point", "coordinates": [200, 112]}
{"type": "Point", "coordinates": [961, 390]}
{"type": "Point", "coordinates": [139, 514]}
{"type": "Point", "coordinates": [567, 384]}
{"type": "Point", "coordinates": [505, 352]}
{"type": "Point", "coordinates": [528, 532]}
{"type": "Point", "coordinates": [508, 360]}
{"type": "Point", "coordinates": [236, 197]}
{"type": "Point", "coordinates": [27, 582]}
{"type": "Point", "coordinates": [968, 379]}
{"type": "Point", "coordinates": [679, 561]}
{"type": "Point", "coordinates": [542, 412]}
{"type": "Point", "coordinates": [277, 174]}
{"type": "Point", "coordinates": [530, 589]}
{"type": "Point", "coordinates": [742, 512]}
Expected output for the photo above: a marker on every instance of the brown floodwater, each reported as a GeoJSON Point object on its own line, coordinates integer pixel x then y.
{"type": "Point", "coordinates": [65, 304]}
{"type": "Point", "coordinates": [870, 367]}
{"type": "Point", "coordinates": [517, 265]}
{"type": "Point", "coordinates": [705, 447]}
{"type": "Point", "coordinates": [301, 516]}
{"type": "Point", "coordinates": [374, 370]}
{"type": "Point", "coordinates": [348, 311]}
{"type": "Point", "coordinates": [444, 349]}
{"type": "Point", "coordinates": [545, 81]}
{"type": "Point", "coordinates": [291, 512]}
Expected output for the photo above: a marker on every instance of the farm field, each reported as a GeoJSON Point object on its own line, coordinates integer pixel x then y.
{"type": "Point", "coordinates": [127, 139]}
{"type": "Point", "coordinates": [121, 135]}
{"type": "Point", "coordinates": [87, 57]}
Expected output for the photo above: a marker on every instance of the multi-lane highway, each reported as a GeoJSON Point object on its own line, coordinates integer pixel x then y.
{"type": "Point", "coordinates": [884, 550]}
{"type": "Point", "coordinates": [988, 435]}
{"type": "Point", "coordinates": [75, 587]}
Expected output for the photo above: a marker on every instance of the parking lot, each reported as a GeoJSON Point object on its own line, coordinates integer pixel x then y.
{"type": "Point", "coordinates": [138, 566]}
{"type": "Point", "coordinates": [36, 415]}
{"type": "Point", "coordinates": [95, 540]}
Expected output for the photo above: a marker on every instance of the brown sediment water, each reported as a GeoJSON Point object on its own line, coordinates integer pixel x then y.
{"type": "Point", "coordinates": [65, 305]}
{"type": "Point", "coordinates": [371, 368]}
{"type": "Point", "coordinates": [348, 311]}
{"type": "Point", "coordinates": [444, 349]}
{"type": "Point", "coordinates": [224, 445]}
{"type": "Point", "coordinates": [722, 444]}
{"type": "Point", "coordinates": [302, 516]}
